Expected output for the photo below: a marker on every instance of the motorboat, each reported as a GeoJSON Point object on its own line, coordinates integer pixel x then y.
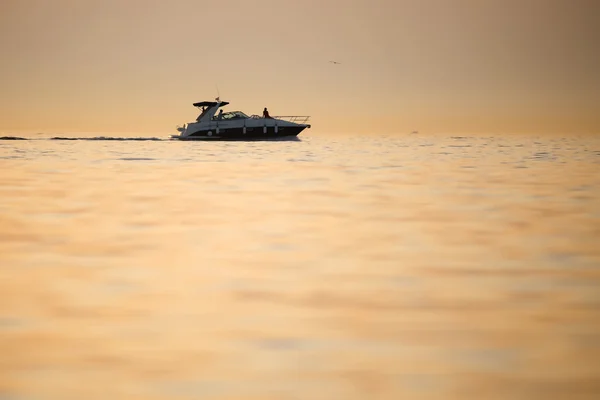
{"type": "Point", "coordinates": [236, 125]}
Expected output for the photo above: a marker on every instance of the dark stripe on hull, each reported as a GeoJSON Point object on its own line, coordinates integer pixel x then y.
{"type": "Point", "coordinates": [251, 133]}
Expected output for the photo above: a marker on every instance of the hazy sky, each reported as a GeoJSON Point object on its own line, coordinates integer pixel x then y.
{"type": "Point", "coordinates": [432, 65]}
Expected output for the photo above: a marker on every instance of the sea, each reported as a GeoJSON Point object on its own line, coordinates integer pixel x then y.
{"type": "Point", "coordinates": [401, 266]}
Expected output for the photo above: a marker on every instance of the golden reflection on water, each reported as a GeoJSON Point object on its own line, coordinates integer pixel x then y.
{"type": "Point", "coordinates": [348, 268]}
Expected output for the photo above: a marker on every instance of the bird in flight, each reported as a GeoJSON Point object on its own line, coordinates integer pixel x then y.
{"type": "Point", "coordinates": [335, 62]}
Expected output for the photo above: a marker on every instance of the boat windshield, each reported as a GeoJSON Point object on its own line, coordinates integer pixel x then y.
{"type": "Point", "coordinates": [228, 116]}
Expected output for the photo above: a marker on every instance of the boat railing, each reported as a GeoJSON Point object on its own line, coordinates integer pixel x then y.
{"type": "Point", "coordinates": [297, 119]}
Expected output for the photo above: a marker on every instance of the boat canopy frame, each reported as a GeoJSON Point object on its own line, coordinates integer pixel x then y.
{"type": "Point", "coordinates": [210, 103]}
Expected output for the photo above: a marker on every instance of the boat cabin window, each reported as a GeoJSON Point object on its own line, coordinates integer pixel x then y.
{"type": "Point", "coordinates": [228, 116]}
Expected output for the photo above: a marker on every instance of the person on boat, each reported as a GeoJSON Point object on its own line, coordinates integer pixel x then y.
{"type": "Point", "coordinates": [220, 116]}
{"type": "Point", "coordinates": [266, 113]}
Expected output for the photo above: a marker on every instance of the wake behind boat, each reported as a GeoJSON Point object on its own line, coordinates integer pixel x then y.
{"type": "Point", "coordinates": [235, 125]}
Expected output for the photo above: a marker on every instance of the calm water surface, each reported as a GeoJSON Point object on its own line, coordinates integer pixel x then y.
{"type": "Point", "coordinates": [407, 266]}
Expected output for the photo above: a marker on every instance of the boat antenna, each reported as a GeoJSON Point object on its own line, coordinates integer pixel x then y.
{"type": "Point", "coordinates": [218, 94]}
